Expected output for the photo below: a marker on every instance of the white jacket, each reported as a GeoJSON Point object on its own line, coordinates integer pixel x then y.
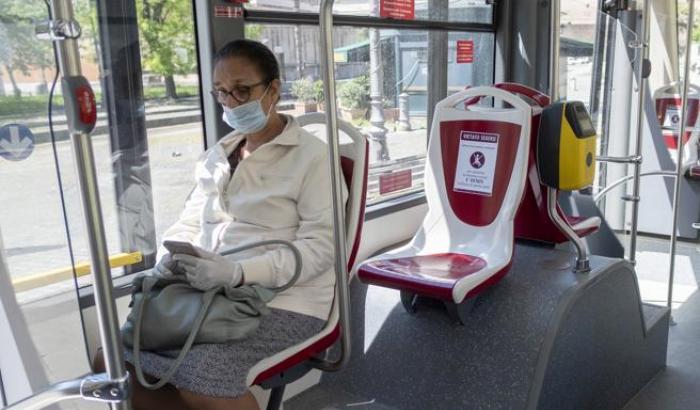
{"type": "Point", "coordinates": [281, 191]}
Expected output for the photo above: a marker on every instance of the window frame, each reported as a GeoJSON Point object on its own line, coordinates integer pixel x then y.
{"type": "Point", "coordinates": [122, 284]}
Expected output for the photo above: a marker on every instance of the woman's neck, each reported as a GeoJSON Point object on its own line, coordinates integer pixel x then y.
{"type": "Point", "coordinates": [273, 128]}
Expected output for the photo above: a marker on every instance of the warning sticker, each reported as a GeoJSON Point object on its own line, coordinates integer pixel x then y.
{"type": "Point", "coordinates": [465, 51]}
{"type": "Point", "coordinates": [228, 11]}
{"type": "Point", "coordinates": [395, 181]}
{"type": "Point", "coordinates": [673, 117]}
{"type": "Point", "coordinates": [397, 9]}
{"type": "Point", "coordinates": [476, 162]}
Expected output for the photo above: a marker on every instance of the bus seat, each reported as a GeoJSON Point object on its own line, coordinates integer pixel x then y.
{"type": "Point", "coordinates": [474, 182]}
{"type": "Point", "coordinates": [277, 371]}
{"type": "Point", "coordinates": [694, 171]}
{"type": "Point", "coordinates": [532, 222]}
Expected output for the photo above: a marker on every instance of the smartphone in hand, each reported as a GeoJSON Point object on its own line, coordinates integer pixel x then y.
{"type": "Point", "coordinates": [180, 247]}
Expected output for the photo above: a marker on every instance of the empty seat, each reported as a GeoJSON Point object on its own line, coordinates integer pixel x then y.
{"type": "Point", "coordinates": [532, 222]}
{"type": "Point", "coordinates": [694, 172]}
{"type": "Point", "coordinates": [474, 182]}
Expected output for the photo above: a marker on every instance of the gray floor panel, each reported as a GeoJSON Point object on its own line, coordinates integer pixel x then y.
{"type": "Point", "coordinates": [497, 359]}
{"type": "Point", "coordinates": [678, 386]}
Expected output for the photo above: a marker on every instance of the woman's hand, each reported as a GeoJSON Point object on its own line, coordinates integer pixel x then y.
{"type": "Point", "coordinates": [209, 270]}
{"type": "Point", "coordinates": [166, 267]}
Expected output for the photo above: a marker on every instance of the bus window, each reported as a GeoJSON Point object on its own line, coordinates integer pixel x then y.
{"type": "Point", "coordinates": [142, 67]}
{"type": "Point", "coordinates": [399, 130]}
{"type": "Point", "coordinates": [471, 11]}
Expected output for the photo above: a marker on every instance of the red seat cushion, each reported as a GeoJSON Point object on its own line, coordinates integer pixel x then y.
{"type": "Point", "coordinates": [303, 355]}
{"type": "Point", "coordinates": [694, 172]}
{"type": "Point", "coordinates": [574, 220]}
{"type": "Point", "coordinates": [428, 275]}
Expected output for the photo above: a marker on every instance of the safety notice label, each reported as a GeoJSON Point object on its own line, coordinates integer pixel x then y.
{"type": "Point", "coordinates": [397, 9]}
{"type": "Point", "coordinates": [465, 51]}
{"type": "Point", "coordinates": [476, 162]}
{"type": "Point", "coordinates": [673, 117]}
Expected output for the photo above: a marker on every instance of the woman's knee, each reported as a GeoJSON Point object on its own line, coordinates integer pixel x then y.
{"type": "Point", "coordinates": [98, 362]}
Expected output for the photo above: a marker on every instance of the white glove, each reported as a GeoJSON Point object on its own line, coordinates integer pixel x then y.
{"type": "Point", "coordinates": [166, 267]}
{"type": "Point", "coordinates": [210, 270]}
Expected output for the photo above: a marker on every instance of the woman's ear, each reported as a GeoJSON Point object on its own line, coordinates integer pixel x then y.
{"type": "Point", "coordinates": [276, 90]}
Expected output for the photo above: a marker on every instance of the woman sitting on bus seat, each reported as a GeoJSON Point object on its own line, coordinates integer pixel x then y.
{"type": "Point", "coordinates": [268, 179]}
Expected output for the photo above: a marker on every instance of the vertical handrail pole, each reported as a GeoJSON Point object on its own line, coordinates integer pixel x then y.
{"type": "Point", "coordinates": [328, 73]}
{"type": "Point", "coordinates": [582, 264]}
{"type": "Point", "coordinates": [641, 101]}
{"type": "Point", "coordinates": [69, 62]}
{"type": "Point", "coordinates": [679, 154]}
{"type": "Point", "coordinates": [554, 35]}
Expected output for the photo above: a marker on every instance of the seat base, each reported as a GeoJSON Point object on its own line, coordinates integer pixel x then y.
{"type": "Point", "coordinates": [457, 311]}
{"type": "Point", "coordinates": [555, 339]}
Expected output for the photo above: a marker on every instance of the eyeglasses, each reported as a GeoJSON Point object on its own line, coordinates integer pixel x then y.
{"type": "Point", "coordinates": [240, 93]}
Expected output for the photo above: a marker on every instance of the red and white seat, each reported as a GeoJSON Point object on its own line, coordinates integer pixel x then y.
{"type": "Point", "coordinates": [465, 243]}
{"type": "Point", "coordinates": [532, 222]}
{"type": "Point", "coordinates": [284, 367]}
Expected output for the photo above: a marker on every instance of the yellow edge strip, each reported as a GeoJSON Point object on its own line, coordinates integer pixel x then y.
{"type": "Point", "coordinates": [81, 269]}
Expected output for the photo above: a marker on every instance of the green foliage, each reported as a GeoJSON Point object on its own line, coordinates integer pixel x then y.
{"type": "Point", "coordinates": [354, 94]}
{"type": "Point", "coordinates": [86, 14]}
{"type": "Point", "coordinates": [304, 90]}
{"type": "Point", "coordinates": [19, 48]}
{"type": "Point", "coordinates": [36, 105]}
{"type": "Point", "coordinates": [318, 91]}
{"type": "Point", "coordinates": [167, 36]}
{"type": "Point", "coordinates": [253, 31]}
{"type": "Point", "coordinates": [155, 92]}
{"type": "Point", "coordinates": [683, 11]}
{"type": "Point", "coordinates": [31, 105]}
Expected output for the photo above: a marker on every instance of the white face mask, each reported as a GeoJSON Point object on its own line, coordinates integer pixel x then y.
{"type": "Point", "coordinates": [247, 118]}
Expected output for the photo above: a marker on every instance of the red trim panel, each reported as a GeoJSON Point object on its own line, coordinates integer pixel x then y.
{"type": "Point", "coordinates": [472, 208]}
{"type": "Point", "coordinates": [319, 346]}
{"type": "Point", "coordinates": [429, 275]}
{"type": "Point", "coordinates": [361, 219]}
{"type": "Point", "coordinates": [535, 95]}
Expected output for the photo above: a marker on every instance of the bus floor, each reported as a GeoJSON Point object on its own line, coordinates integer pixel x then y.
{"type": "Point", "coordinates": [537, 337]}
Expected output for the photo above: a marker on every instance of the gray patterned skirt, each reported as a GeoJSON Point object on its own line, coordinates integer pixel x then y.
{"type": "Point", "coordinates": [220, 370]}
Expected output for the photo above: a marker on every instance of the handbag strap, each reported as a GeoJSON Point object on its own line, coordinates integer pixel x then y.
{"type": "Point", "coordinates": [295, 251]}
{"type": "Point", "coordinates": [207, 299]}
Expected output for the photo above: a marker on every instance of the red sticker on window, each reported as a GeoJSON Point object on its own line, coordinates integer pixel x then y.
{"type": "Point", "coordinates": [397, 9]}
{"type": "Point", "coordinates": [395, 181]}
{"type": "Point", "coordinates": [465, 51]}
{"type": "Point", "coordinates": [228, 11]}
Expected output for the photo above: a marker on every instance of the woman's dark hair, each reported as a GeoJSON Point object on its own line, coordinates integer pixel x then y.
{"type": "Point", "coordinates": [255, 52]}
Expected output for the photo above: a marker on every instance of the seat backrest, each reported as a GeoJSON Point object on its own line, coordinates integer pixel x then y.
{"type": "Point", "coordinates": [353, 161]}
{"type": "Point", "coordinates": [532, 221]}
{"type": "Point", "coordinates": [475, 173]}
{"type": "Point", "coordinates": [668, 102]}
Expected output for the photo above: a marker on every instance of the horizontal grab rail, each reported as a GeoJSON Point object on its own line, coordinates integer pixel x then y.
{"type": "Point", "coordinates": [631, 159]}
{"type": "Point", "coordinates": [51, 277]}
{"type": "Point", "coordinates": [624, 179]}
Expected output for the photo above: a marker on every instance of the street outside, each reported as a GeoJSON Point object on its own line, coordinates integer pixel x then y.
{"type": "Point", "coordinates": [32, 225]}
